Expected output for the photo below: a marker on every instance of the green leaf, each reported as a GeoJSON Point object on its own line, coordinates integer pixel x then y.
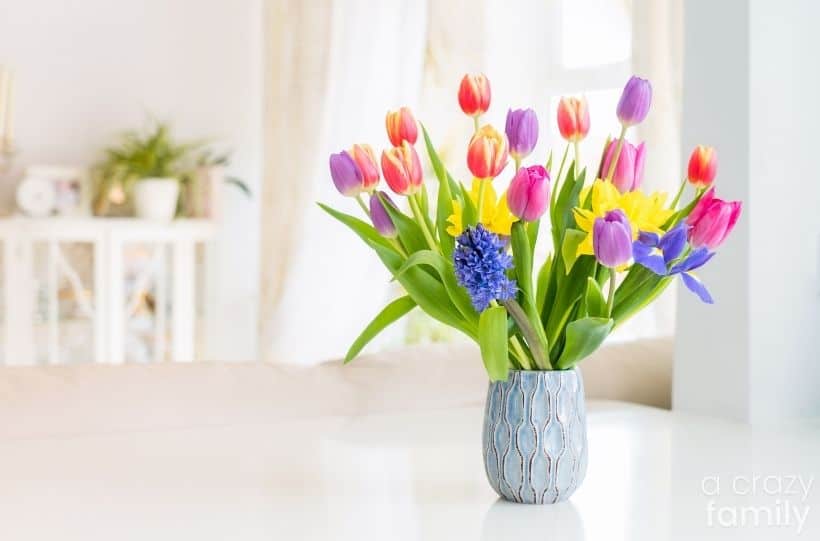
{"type": "Point", "coordinates": [562, 217]}
{"type": "Point", "coordinates": [594, 300]}
{"type": "Point", "coordinates": [569, 247]}
{"type": "Point", "coordinates": [532, 231]}
{"type": "Point", "coordinates": [522, 259]}
{"type": "Point", "coordinates": [583, 337]}
{"type": "Point", "coordinates": [444, 268]}
{"type": "Point", "coordinates": [568, 290]}
{"type": "Point", "coordinates": [428, 292]}
{"type": "Point", "coordinates": [492, 340]}
{"type": "Point", "coordinates": [389, 314]}
{"type": "Point", "coordinates": [366, 231]}
{"type": "Point", "coordinates": [543, 282]}
{"type": "Point", "coordinates": [469, 215]}
{"type": "Point", "coordinates": [444, 201]}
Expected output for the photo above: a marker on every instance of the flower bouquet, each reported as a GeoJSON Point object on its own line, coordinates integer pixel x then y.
{"type": "Point", "coordinates": [467, 259]}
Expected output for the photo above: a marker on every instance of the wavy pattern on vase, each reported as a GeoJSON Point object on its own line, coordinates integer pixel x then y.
{"type": "Point", "coordinates": [534, 438]}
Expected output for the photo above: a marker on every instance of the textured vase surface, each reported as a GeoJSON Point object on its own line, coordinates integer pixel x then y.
{"type": "Point", "coordinates": [535, 435]}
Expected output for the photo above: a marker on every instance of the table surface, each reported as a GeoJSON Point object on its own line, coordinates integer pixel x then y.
{"type": "Point", "coordinates": [652, 474]}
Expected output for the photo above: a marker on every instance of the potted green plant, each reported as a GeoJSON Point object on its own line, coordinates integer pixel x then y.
{"type": "Point", "coordinates": [148, 166]}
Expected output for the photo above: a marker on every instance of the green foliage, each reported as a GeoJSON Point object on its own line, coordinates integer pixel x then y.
{"type": "Point", "coordinates": [492, 340]}
{"type": "Point", "coordinates": [583, 336]}
{"type": "Point", "coordinates": [392, 312]}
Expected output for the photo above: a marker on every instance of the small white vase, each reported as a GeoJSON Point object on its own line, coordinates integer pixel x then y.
{"type": "Point", "coordinates": [156, 198]}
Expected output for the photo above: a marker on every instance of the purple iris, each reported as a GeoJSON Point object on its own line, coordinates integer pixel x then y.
{"type": "Point", "coordinates": [522, 131]}
{"type": "Point", "coordinates": [481, 265]}
{"type": "Point", "coordinates": [656, 253]}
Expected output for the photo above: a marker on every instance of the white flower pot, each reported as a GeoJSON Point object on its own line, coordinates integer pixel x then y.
{"type": "Point", "coordinates": [156, 198]}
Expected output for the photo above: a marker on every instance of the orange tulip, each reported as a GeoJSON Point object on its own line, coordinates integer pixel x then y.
{"type": "Point", "coordinates": [488, 152]}
{"type": "Point", "coordinates": [402, 169]}
{"type": "Point", "coordinates": [573, 118]}
{"type": "Point", "coordinates": [366, 162]}
{"type": "Point", "coordinates": [401, 126]}
{"type": "Point", "coordinates": [702, 166]}
{"type": "Point", "coordinates": [474, 94]}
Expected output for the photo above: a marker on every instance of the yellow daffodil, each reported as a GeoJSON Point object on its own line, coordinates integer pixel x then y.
{"type": "Point", "coordinates": [644, 212]}
{"type": "Point", "coordinates": [495, 215]}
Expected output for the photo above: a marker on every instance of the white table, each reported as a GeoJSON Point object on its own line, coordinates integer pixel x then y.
{"type": "Point", "coordinates": [106, 307]}
{"type": "Point", "coordinates": [395, 476]}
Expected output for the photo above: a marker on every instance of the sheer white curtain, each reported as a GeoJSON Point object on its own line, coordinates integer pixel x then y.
{"type": "Point", "coordinates": [335, 68]}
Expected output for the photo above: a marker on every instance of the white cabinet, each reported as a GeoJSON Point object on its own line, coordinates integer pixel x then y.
{"type": "Point", "coordinates": [107, 306]}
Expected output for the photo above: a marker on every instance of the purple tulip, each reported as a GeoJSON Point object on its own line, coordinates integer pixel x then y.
{"type": "Point", "coordinates": [380, 217]}
{"type": "Point", "coordinates": [529, 193]}
{"type": "Point", "coordinates": [628, 172]}
{"type": "Point", "coordinates": [612, 239]}
{"type": "Point", "coordinates": [522, 131]}
{"type": "Point", "coordinates": [635, 100]}
{"type": "Point", "coordinates": [346, 174]}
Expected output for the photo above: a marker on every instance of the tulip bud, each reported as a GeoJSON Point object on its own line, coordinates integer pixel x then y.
{"type": "Point", "coordinates": [346, 174]}
{"type": "Point", "coordinates": [380, 217]}
{"type": "Point", "coordinates": [522, 131]}
{"type": "Point", "coordinates": [702, 166]}
{"type": "Point", "coordinates": [712, 220]}
{"type": "Point", "coordinates": [635, 100]}
{"type": "Point", "coordinates": [612, 239]}
{"type": "Point", "coordinates": [474, 94]}
{"type": "Point", "coordinates": [573, 118]}
{"type": "Point", "coordinates": [529, 193]}
{"type": "Point", "coordinates": [402, 169]}
{"type": "Point", "coordinates": [401, 126]}
{"type": "Point", "coordinates": [628, 172]}
{"type": "Point", "coordinates": [487, 153]}
{"type": "Point", "coordinates": [366, 162]}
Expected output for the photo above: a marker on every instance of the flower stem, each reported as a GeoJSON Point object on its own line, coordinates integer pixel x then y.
{"type": "Point", "coordinates": [482, 187]}
{"type": "Point", "coordinates": [517, 162]}
{"type": "Point", "coordinates": [361, 204]}
{"type": "Point", "coordinates": [475, 122]}
{"type": "Point", "coordinates": [611, 300]}
{"type": "Point", "coordinates": [616, 155]}
{"type": "Point", "coordinates": [557, 178]}
{"type": "Point", "coordinates": [577, 148]}
{"type": "Point", "coordinates": [675, 201]}
{"type": "Point", "coordinates": [414, 206]}
{"type": "Point", "coordinates": [397, 245]}
{"type": "Point", "coordinates": [537, 349]}
{"type": "Point", "coordinates": [520, 354]}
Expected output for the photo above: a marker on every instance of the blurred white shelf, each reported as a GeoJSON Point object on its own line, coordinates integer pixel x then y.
{"type": "Point", "coordinates": [108, 308]}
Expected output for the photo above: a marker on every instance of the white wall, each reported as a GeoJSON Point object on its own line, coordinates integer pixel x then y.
{"type": "Point", "coordinates": [89, 69]}
{"type": "Point", "coordinates": [751, 87]}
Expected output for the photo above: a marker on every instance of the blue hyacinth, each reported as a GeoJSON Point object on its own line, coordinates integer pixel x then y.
{"type": "Point", "coordinates": [481, 263]}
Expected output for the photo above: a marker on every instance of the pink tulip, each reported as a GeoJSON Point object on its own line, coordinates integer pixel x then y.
{"type": "Point", "coordinates": [628, 172]}
{"type": "Point", "coordinates": [712, 220]}
{"type": "Point", "coordinates": [529, 193]}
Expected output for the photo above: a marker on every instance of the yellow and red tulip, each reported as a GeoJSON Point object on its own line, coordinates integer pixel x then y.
{"type": "Point", "coordinates": [401, 126]}
{"type": "Point", "coordinates": [573, 118]}
{"type": "Point", "coordinates": [702, 166]}
{"type": "Point", "coordinates": [366, 162]}
{"type": "Point", "coordinates": [402, 169]}
{"type": "Point", "coordinates": [488, 153]}
{"type": "Point", "coordinates": [474, 94]}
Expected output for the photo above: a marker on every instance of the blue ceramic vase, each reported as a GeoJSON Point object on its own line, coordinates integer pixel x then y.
{"type": "Point", "coordinates": [535, 435]}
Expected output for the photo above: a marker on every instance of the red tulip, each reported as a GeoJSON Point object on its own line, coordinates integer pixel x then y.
{"type": "Point", "coordinates": [474, 94]}
{"type": "Point", "coordinates": [488, 152]}
{"type": "Point", "coordinates": [573, 118]}
{"type": "Point", "coordinates": [401, 126]}
{"type": "Point", "coordinates": [702, 166]}
{"type": "Point", "coordinates": [402, 169]}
